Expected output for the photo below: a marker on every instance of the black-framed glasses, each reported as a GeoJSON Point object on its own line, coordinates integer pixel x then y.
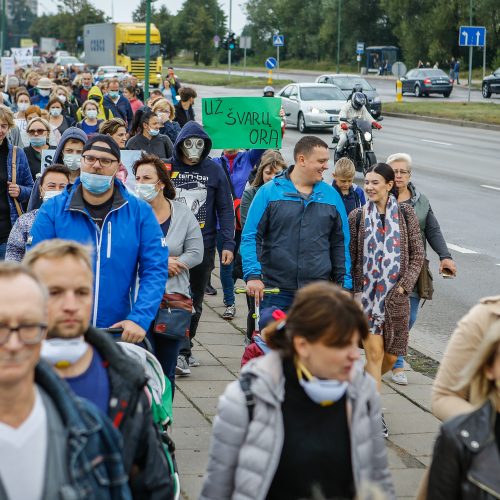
{"type": "Point", "coordinates": [104, 162]}
{"type": "Point", "coordinates": [29, 334]}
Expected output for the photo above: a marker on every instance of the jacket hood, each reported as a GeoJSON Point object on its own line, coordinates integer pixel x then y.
{"type": "Point", "coordinates": [69, 133]}
{"type": "Point", "coordinates": [415, 193]}
{"type": "Point", "coordinates": [192, 129]}
{"type": "Point", "coordinates": [95, 91]}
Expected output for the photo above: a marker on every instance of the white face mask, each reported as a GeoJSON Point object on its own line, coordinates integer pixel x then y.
{"type": "Point", "coordinates": [55, 112]}
{"type": "Point", "coordinates": [62, 353]}
{"type": "Point", "coordinates": [23, 106]}
{"type": "Point", "coordinates": [91, 113]}
{"type": "Point", "coordinates": [62, 98]}
{"type": "Point", "coordinates": [146, 192]}
{"type": "Point", "coordinates": [44, 92]}
{"type": "Point", "coordinates": [72, 161]}
{"type": "Point", "coordinates": [51, 194]}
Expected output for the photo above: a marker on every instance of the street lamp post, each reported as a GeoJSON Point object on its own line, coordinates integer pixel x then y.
{"type": "Point", "coordinates": [148, 42]}
{"type": "Point", "coordinates": [3, 26]}
{"type": "Point", "coordinates": [338, 35]}
{"type": "Point", "coordinates": [230, 31]}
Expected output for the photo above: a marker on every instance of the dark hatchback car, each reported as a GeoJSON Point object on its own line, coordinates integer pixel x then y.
{"type": "Point", "coordinates": [425, 81]}
{"type": "Point", "coordinates": [346, 83]}
{"type": "Point", "coordinates": [491, 84]}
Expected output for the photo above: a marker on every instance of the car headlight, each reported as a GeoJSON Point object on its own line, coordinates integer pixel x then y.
{"type": "Point", "coordinates": [315, 111]}
{"type": "Point", "coordinates": [376, 99]}
{"type": "Point", "coordinates": [368, 136]}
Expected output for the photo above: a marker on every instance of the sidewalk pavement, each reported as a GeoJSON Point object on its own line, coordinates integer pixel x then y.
{"type": "Point", "coordinates": [219, 347]}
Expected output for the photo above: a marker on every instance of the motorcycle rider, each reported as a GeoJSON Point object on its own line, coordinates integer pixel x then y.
{"type": "Point", "coordinates": [269, 92]}
{"type": "Point", "coordinates": [353, 109]}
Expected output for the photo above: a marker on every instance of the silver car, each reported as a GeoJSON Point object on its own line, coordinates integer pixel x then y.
{"type": "Point", "coordinates": [311, 105]}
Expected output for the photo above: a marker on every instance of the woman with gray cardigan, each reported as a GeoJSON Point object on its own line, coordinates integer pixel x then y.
{"type": "Point", "coordinates": [304, 420]}
{"type": "Point", "coordinates": [182, 235]}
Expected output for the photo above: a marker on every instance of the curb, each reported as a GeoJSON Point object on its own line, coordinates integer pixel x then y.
{"type": "Point", "coordinates": [443, 121]}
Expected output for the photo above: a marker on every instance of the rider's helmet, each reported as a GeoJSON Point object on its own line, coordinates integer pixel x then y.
{"type": "Point", "coordinates": [268, 91]}
{"type": "Point", "coordinates": [358, 100]}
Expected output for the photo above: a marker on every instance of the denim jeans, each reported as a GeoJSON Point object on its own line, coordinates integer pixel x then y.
{"type": "Point", "coordinates": [3, 249]}
{"type": "Point", "coordinates": [282, 300]}
{"type": "Point", "coordinates": [226, 275]}
{"type": "Point", "coordinates": [166, 351]}
{"type": "Point", "coordinates": [414, 303]}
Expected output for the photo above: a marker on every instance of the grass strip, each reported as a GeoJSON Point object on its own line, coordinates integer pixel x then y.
{"type": "Point", "coordinates": [479, 112]}
{"type": "Point", "coordinates": [221, 80]}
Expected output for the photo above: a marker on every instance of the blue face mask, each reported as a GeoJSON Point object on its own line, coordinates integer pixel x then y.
{"type": "Point", "coordinates": [114, 94]}
{"type": "Point", "coordinates": [94, 183]}
{"type": "Point", "coordinates": [153, 132]}
{"type": "Point", "coordinates": [322, 392]}
{"type": "Point", "coordinates": [38, 142]}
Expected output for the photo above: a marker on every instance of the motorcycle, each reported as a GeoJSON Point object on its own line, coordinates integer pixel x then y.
{"type": "Point", "coordinates": [359, 146]}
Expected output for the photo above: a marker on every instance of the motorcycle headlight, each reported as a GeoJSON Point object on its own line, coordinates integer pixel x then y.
{"type": "Point", "coordinates": [376, 99]}
{"type": "Point", "coordinates": [368, 136]}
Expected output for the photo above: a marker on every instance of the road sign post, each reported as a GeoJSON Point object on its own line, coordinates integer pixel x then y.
{"type": "Point", "coordinates": [245, 43]}
{"type": "Point", "coordinates": [360, 50]}
{"type": "Point", "coordinates": [471, 36]}
{"type": "Point", "coordinates": [278, 41]}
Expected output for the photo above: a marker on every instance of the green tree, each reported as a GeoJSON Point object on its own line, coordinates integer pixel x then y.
{"type": "Point", "coordinates": [19, 24]}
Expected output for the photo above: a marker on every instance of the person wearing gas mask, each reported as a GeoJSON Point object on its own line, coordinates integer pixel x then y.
{"type": "Point", "coordinates": [355, 108]}
{"type": "Point", "coordinates": [124, 233]}
{"type": "Point", "coordinates": [52, 183]}
{"type": "Point", "coordinates": [202, 184]}
{"type": "Point", "coordinates": [68, 153]}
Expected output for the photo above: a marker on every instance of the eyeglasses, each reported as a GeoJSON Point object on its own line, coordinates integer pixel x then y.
{"type": "Point", "coordinates": [38, 131]}
{"type": "Point", "coordinates": [401, 172]}
{"type": "Point", "coordinates": [91, 160]}
{"type": "Point", "coordinates": [29, 334]}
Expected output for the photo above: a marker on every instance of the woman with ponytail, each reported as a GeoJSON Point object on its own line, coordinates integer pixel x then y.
{"type": "Point", "coordinates": [145, 135]}
{"type": "Point", "coordinates": [387, 254]}
{"type": "Point", "coordinates": [303, 421]}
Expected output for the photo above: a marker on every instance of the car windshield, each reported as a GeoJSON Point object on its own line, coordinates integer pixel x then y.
{"type": "Point", "coordinates": [348, 83]}
{"type": "Point", "coordinates": [434, 73]}
{"type": "Point", "coordinates": [138, 50]}
{"type": "Point", "coordinates": [68, 60]}
{"type": "Point", "coordinates": [321, 94]}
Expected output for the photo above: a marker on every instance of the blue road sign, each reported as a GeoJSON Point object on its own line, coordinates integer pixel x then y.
{"type": "Point", "coordinates": [271, 63]}
{"type": "Point", "coordinates": [360, 47]}
{"type": "Point", "coordinates": [278, 40]}
{"type": "Point", "coordinates": [472, 36]}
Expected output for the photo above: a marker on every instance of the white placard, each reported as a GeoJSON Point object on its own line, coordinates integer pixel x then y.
{"type": "Point", "coordinates": [23, 56]}
{"type": "Point", "coordinates": [8, 66]}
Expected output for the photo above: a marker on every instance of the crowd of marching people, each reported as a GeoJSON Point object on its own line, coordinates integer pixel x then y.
{"type": "Point", "coordinates": [102, 292]}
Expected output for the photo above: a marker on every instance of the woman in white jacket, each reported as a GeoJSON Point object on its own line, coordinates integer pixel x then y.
{"type": "Point", "coordinates": [303, 421]}
{"type": "Point", "coordinates": [182, 235]}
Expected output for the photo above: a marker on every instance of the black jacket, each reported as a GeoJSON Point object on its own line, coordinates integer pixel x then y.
{"type": "Point", "coordinates": [34, 160]}
{"type": "Point", "coordinates": [466, 462]}
{"type": "Point", "coordinates": [180, 114]}
{"type": "Point", "coordinates": [129, 411]}
{"type": "Point", "coordinates": [160, 145]}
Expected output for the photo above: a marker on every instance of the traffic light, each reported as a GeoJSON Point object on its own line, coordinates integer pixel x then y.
{"type": "Point", "coordinates": [225, 43]}
{"type": "Point", "coordinates": [231, 41]}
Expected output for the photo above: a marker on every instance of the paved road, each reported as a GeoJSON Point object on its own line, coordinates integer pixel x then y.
{"type": "Point", "coordinates": [452, 170]}
{"type": "Point", "coordinates": [385, 86]}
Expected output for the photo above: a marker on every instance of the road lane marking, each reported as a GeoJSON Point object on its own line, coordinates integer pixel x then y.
{"type": "Point", "coordinates": [490, 187]}
{"type": "Point", "coordinates": [460, 249]}
{"type": "Point", "coordinates": [437, 142]}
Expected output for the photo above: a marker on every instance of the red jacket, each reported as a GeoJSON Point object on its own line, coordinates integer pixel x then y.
{"type": "Point", "coordinates": [251, 351]}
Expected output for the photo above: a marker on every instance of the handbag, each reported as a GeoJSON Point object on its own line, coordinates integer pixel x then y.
{"type": "Point", "coordinates": [14, 178]}
{"type": "Point", "coordinates": [425, 285]}
{"type": "Point", "coordinates": [174, 316]}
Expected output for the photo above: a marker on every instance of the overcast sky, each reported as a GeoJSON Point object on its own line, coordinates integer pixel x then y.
{"type": "Point", "coordinates": [123, 9]}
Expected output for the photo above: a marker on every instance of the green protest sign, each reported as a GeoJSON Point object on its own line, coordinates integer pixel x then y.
{"type": "Point", "coordinates": [243, 122]}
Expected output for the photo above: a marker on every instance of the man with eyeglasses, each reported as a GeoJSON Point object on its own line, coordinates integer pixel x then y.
{"type": "Point", "coordinates": [95, 367]}
{"type": "Point", "coordinates": [42, 453]}
{"type": "Point", "coordinates": [124, 233]}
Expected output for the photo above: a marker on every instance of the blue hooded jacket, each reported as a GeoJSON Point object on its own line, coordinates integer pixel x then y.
{"type": "Point", "coordinates": [290, 239]}
{"type": "Point", "coordinates": [204, 187]}
{"type": "Point", "coordinates": [242, 166]}
{"type": "Point", "coordinates": [130, 244]}
{"type": "Point", "coordinates": [355, 198]}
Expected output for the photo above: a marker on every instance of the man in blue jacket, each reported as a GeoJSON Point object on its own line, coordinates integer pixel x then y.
{"type": "Point", "coordinates": [119, 105]}
{"type": "Point", "coordinates": [296, 230]}
{"type": "Point", "coordinates": [125, 236]}
{"type": "Point", "coordinates": [203, 186]}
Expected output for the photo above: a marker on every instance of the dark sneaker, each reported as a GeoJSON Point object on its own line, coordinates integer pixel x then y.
{"type": "Point", "coordinates": [230, 312]}
{"type": "Point", "coordinates": [385, 429]}
{"type": "Point", "coordinates": [210, 290]}
{"type": "Point", "coordinates": [182, 369]}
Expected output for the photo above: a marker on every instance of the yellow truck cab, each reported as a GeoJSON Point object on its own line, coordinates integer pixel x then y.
{"type": "Point", "coordinates": [124, 44]}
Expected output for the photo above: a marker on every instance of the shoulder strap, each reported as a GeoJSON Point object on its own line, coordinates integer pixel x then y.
{"type": "Point", "coordinates": [223, 165]}
{"type": "Point", "coordinates": [14, 179]}
{"type": "Point", "coordinates": [246, 387]}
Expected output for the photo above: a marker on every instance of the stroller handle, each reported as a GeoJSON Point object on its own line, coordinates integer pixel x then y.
{"type": "Point", "coordinates": [266, 290]}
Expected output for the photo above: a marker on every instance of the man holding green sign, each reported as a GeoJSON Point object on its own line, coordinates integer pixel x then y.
{"type": "Point", "coordinates": [243, 122]}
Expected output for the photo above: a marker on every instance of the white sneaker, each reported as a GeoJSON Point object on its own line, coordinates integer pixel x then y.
{"type": "Point", "coordinates": [399, 378]}
{"type": "Point", "coordinates": [182, 368]}
{"type": "Point", "coordinates": [192, 361]}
